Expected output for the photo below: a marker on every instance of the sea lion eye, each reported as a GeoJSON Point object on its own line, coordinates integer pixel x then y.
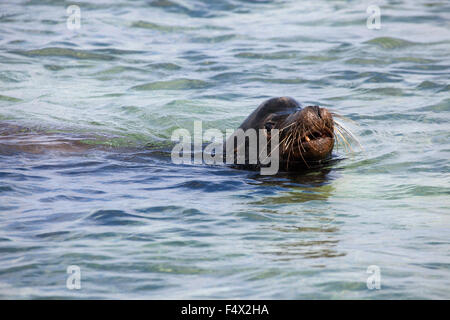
{"type": "Point", "coordinates": [269, 125]}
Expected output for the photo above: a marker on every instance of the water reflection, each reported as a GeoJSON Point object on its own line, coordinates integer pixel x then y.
{"type": "Point", "coordinates": [307, 225]}
{"type": "Point", "coordinates": [298, 187]}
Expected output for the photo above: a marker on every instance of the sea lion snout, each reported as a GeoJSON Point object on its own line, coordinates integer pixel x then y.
{"type": "Point", "coordinates": [314, 116]}
{"type": "Point", "coordinates": [309, 134]}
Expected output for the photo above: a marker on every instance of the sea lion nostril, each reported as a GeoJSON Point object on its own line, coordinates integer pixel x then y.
{"type": "Point", "coordinates": [317, 109]}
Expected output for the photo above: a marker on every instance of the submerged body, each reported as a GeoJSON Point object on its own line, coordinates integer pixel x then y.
{"type": "Point", "coordinates": [304, 137]}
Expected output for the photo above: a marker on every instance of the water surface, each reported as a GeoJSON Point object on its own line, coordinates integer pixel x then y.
{"type": "Point", "coordinates": [139, 226]}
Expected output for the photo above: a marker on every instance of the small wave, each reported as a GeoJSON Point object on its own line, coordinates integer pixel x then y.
{"type": "Point", "coordinates": [210, 186]}
{"type": "Point", "coordinates": [228, 76]}
{"type": "Point", "coordinates": [176, 84]}
{"type": "Point", "coordinates": [164, 66]}
{"type": "Point", "coordinates": [268, 56]}
{"type": "Point", "coordinates": [429, 85]}
{"type": "Point", "coordinates": [158, 27]}
{"type": "Point", "coordinates": [386, 91]}
{"type": "Point", "coordinates": [64, 52]}
{"type": "Point", "coordinates": [9, 99]}
{"type": "Point", "coordinates": [114, 218]}
{"type": "Point", "coordinates": [62, 197]}
{"type": "Point", "coordinates": [390, 43]}
{"type": "Point", "coordinates": [215, 39]}
{"type": "Point", "coordinates": [280, 81]}
{"type": "Point", "coordinates": [117, 70]}
{"type": "Point", "coordinates": [4, 189]}
{"type": "Point", "coordinates": [365, 61]}
{"type": "Point", "coordinates": [441, 107]}
{"type": "Point", "coordinates": [56, 235]}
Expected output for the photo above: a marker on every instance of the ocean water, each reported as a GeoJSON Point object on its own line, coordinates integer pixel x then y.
{"type": "Point", "coordinates": [139, 226]}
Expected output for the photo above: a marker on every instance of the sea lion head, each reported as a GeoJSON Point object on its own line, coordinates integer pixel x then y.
{"type": "Point", "coordinates": [306, 135]}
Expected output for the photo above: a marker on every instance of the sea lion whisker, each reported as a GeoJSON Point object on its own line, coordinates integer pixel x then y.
{"type": "Point", "coordinates": [303, 126]}
{"type": "Point", "coordinates": [346, 143]}
{"type": "Point", "coordinates": [340, 138]}
{"type": "Point", "coordinates": [300, 151]}
{"type": "Point", "coordinates": [348, 133]}
{"type": "Point", "coordinates": [277, 146]}
{"type": "Point", "coordinates": [292, 139]}
{"type": "Point", "coordinates": [282, 129]}
{"type": "Point", "coordinates": [339, 141]}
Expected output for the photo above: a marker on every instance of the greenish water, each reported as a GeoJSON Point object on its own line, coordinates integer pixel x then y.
{"type": "Point", "coordinates": [139, 226]}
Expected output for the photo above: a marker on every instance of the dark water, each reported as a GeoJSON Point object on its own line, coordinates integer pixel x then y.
{"type": "Point", "coordinates": [139, 226]}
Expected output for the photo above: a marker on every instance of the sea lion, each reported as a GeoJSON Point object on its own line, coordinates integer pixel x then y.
{"type": "Point", "coordinates": [306, 135]}
{"type": "Point", "coordinates": [305, 138]}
